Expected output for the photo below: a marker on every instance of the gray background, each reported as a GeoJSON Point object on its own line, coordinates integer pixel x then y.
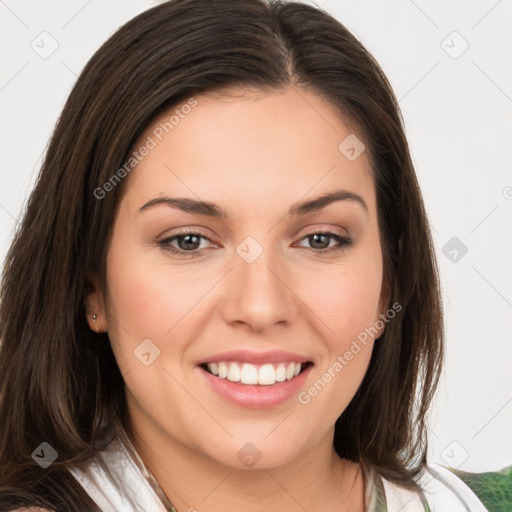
{"type": "Point", "coordinates": [449, 63]}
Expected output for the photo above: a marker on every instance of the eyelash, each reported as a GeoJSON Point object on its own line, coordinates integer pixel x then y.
{"type": "Point", "coordinates": [343, 242]}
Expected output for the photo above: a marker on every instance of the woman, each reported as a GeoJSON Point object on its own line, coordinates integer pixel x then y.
{"type": "Point", "coordinates": [223, 294]}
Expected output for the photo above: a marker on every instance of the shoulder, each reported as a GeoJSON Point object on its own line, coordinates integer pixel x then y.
{"type": "Point", "coordinates": [441, 490]}
{"type": "Point", "coordinates": [442, 487]}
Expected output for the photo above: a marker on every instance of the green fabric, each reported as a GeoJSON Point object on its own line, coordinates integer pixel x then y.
{"type": "Point", "coordinates": [493, 489]}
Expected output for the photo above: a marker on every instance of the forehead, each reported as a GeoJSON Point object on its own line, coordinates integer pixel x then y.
{"type": "Point", "coordinates": [249, 145]}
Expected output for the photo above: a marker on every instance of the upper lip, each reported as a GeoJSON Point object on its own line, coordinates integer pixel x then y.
{"type": "Point", "coordinates": [247, 356]}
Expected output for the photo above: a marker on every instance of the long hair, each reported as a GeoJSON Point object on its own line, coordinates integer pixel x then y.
{"type": "Point", "coordinates": [59, 381]}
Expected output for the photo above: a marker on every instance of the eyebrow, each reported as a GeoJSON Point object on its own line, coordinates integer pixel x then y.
{"type": "Point", "coordinates": [215, 211]}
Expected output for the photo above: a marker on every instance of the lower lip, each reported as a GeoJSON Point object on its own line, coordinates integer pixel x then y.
{"type": "Point", "coordinates": [256, 396]}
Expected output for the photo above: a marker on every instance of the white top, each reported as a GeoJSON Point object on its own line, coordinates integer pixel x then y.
{"type": "Point", "coordinates": [123, 484]}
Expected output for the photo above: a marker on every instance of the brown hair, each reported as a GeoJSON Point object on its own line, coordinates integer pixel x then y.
{"type": "Point", "coordinates": [59, 381]}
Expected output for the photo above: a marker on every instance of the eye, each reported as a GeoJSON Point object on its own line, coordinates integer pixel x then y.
{"type": "Point", "coordinates": [321, 241]}
{"type": "Point", "coordinates": [190, 243]}
{"type": "Point", "coordinates": [185, 243]}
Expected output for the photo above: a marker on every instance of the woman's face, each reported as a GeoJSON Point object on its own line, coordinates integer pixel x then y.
{"type": "Point", "coordinates": [256, 291]}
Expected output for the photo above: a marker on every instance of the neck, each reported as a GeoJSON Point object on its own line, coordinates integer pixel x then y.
{"type": "Point", "coordinates": [317, 480]}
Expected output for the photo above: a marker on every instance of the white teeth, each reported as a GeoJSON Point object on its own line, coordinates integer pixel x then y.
{"type": "Point", "coordinates": [223, 370]}
{"type": "Point", "coordinates": [246, 373]}
{"type": "Point", "coordinates": [234, 372]}
{"type": "Point", "coordinates": [267, 375]}
{"type": "Point", "coordinates": [214, 368]}
{"type": "Point", "coordinates": [249, 374]}
{"type": "Point", "coordinates": [280, 373]}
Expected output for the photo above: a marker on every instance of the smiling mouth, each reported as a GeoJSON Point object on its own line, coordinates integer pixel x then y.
{"type": "Point", "coordinates": [251, 374]}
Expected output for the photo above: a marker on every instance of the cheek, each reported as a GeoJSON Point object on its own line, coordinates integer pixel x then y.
{"type": "Point", "coordinates": [147, 299]}
{"type": "Point", "coordinates": [141, 306]}
{"type": "Point", "coordinates": [346, 298]}
{"type": "Point", "coordinates": [145, 302]}
{"type": "Point", "coordinates": [348, 304]}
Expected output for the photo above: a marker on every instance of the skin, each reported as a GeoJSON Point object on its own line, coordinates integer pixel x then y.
{"type": "Point", "coordinates": [254, 155]}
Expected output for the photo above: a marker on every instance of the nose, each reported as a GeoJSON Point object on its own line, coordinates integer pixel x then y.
{"type": "Point", "coordinates": [259, 295]}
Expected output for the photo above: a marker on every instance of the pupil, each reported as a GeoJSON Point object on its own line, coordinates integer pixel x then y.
{"type": "Point", "coordinates": [185, 242]}
{"type": "Point", "coordinates": [318, 239]}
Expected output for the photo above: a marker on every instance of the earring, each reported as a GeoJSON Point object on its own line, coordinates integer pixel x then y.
{"type": "Point", "coordinates": [94, 317]}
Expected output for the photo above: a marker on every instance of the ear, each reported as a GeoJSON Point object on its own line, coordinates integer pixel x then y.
{"type": "Point", "coordinates": [94, 302]}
